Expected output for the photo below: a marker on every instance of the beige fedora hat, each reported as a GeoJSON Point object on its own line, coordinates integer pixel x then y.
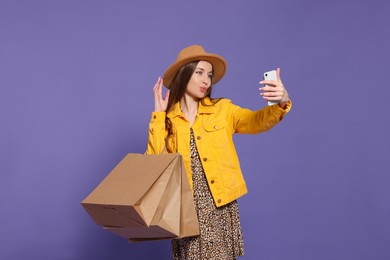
{"type": "Point", "coordinates": [195, 53]}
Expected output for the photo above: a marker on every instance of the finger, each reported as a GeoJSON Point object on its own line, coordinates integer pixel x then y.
{"type": "Point", "coordinates": [167, 95]}
{"type": "Point", "coordinates": [272, 91]}
{"type": "Point", "coordinates": [156, 91]}
{"type": "Point", "coordinates": [161, 84]}
{"type": "Point", "coordinates": [278, 74]}
{"type": "Point", "coordinates": [156, 84]}
{"type": "Point", "coordinates": [270, 98]}
{"type": "Point", "coordinates": [269, 82]}
{"type": "Point", "coordinates": [269, 94]}
{"type": "Point", "coordinates": [159, 87]}
{"type": "Point", "coordinates": [269, 88]}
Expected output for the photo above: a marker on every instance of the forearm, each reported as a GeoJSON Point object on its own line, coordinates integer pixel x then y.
{"type": "Point", "coordinates": [252, 122]}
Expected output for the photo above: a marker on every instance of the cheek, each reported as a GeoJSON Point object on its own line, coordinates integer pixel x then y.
{"type": "Point", "coordinates": [190, 87]}
{"type": "Point", "coordinates": [192, 82]}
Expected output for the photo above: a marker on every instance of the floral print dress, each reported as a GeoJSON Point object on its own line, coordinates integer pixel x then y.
{"type": "Point", "coordinates": [220, 230]}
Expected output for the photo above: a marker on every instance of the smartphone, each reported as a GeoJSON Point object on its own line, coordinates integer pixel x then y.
{"type": "Point", "coordinates": [272, 76]}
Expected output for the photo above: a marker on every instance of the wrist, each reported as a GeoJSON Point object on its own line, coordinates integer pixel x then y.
{"type": "Point", "coordinates": [284, 104]}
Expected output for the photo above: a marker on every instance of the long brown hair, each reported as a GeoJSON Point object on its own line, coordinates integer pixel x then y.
{"type": "Point", "coordinates": [178, 89]}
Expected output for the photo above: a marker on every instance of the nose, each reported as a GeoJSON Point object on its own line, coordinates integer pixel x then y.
{"type": "Point", "coordinates": [207, 80]}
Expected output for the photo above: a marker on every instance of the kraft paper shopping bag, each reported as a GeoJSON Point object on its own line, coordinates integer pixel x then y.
{"type": "Point", "coordinates": [145, 197]}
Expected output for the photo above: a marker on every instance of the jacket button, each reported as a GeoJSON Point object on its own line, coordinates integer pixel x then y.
{"type": "Point", "coordinates": [219, 201]}
{"type": "Point", "coordinates": [212, 181]}
{"type": "Point", "coordinates": [215, 127]}
{"type": "Point", "coordinates": [205, 159]}
{"type": "Point", "coordinates": [154, 117]}
{"type": "Point", "coordinates": [198, 137]}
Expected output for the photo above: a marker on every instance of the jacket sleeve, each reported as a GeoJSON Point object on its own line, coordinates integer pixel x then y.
{"type": "Point", "coordinates": [245, 121]}
{"type": "Point", "coordinates": [157, 134]}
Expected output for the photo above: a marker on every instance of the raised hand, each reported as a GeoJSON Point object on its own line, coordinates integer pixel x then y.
{"type": "Point", "coordinates": [274, 90]}
{"type": "Point", "coordinates": [160, 104]}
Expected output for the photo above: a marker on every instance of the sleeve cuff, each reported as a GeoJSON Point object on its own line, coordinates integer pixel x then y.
{"type": "Point", "coordinates": [157, 117]}
{"type": "Point", "coordinates": [280, 112]}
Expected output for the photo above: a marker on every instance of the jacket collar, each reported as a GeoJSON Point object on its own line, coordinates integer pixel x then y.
{"type": "Point", "coordinates": [208, 108]}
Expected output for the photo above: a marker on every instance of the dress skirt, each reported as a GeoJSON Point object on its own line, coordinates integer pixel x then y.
{"type": "Point", "coordinates": [220, 230]}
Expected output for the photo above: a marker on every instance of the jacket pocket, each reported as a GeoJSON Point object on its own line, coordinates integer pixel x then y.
{"type": "Point", "coordinates": [217, 136]}
{"type": "Point", "coordinates": [215, 126]}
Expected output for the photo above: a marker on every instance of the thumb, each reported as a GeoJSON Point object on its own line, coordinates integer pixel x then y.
{"type": "Point", "coordinates": [278, 74]}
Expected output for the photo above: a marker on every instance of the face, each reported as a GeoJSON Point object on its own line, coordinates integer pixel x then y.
{"type": "Point", "coordinates": [200, 80]}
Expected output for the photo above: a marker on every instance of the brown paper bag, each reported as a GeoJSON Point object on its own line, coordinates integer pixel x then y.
{"type": "Point", "coordinates": [145, 197]}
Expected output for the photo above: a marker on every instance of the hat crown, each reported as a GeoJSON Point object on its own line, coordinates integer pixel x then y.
{"type": "Point", "coordinates": [190, 51]}
{"type": "Point", "coordinates": [191, 54]}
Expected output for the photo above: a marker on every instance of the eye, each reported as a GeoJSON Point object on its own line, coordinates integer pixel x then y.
{"type": "Point", "coordinates": [199, 72]}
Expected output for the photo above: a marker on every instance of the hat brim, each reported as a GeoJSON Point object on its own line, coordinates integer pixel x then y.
{"type": "Point", "coordinates": [219, 67]}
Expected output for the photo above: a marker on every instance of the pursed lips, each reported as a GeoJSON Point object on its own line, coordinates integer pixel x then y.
{"type": "Point", "coordinates": [203, 89]}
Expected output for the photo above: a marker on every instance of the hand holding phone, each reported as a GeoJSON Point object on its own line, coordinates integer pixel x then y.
{"type": "Point", "coordinates": [270, 75]}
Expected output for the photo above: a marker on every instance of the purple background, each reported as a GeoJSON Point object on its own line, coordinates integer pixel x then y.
{"type": "Point", "coordinates": [76, 82]}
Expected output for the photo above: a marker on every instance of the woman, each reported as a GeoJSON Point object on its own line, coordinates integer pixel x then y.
{"type": "Point", "coordinates": [188, 121]}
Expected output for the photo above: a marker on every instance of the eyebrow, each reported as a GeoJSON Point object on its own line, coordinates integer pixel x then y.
{"type": "Point", "coordinates": [199, 68]}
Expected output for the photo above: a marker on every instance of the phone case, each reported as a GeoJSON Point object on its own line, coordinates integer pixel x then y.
{"type": "Point", "coordinates": [272, 76]}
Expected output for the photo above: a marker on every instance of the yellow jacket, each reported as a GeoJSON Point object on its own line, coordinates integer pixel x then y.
{"type": "Point", "coordinates": [214, 127]}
